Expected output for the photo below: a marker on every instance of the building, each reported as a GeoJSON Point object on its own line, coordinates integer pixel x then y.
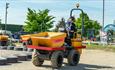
{"type": "Point", "coordinates": [12, 27]}
{"type": "Point", "coordinates": [110, 28]}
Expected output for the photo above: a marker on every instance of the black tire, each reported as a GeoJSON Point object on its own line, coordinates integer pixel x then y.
{"type": "Point", "coordinates": [29, 42]}
{"type": "Point", "coordinates": [57, 59]}
{"type": "Point", "coordinates": [73, 58]}
{"type": "Point", "coordinates": [3, 43]}
{"type": "Point", "coordinates": [36, 60]}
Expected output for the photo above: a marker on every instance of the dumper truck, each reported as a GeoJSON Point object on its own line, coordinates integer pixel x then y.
{"type": "Point", "coordinates": [51, 46]}
{"type": "Point", "coordinates": [3, 40]}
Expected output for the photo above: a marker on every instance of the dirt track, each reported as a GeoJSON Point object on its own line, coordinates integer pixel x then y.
{"type": "Point", "coordinates": [90, 60]}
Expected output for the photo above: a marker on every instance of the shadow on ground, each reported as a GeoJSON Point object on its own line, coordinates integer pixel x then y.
{"type": "Point", "coordinates": [80, 67]}
{"type": "Point", "coordinates": [86, 67]}
{"type": "Point", "coordinates": [10, 63]}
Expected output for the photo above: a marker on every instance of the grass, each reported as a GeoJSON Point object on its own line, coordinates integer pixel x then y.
{"type": "Point", "coordinates": [102, 47]}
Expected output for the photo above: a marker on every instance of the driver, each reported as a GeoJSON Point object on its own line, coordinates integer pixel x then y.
{"type": "Point", "coordinates": [70, 28]}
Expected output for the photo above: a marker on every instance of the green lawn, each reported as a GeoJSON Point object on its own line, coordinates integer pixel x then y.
{"type": "Point", "coordinates": [102, 47]}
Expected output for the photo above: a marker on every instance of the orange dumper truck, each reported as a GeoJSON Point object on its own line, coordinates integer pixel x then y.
{"type": "Point", "coordinates": [3, 40]}
{"type": "Point", "coordinates": [51, 46]}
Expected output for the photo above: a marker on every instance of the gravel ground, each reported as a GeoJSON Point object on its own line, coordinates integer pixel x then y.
{"type": "Point", "coordinates": [90, 60]}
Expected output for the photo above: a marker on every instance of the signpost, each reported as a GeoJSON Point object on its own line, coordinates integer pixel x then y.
{"type": "Point", "coordinates": [6, 12]}
{"type": "Point", "coordinates": [103, 37]}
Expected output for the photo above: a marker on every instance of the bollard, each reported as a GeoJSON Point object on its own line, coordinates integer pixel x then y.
{"type": "Point", "coordinates": [29, 55]}
{"type": "Point", "coordinates": [11, 59]}
{"type": "Point", "coordinates": [3, 61]}
{"type": "Point", "coordinates": [22, 57]}
{"type": "Point", "coordinates": [30, 50]}
{"type": "Point", "coordinates": [24, 49]}
{"type": "Point", "coordinates": [4, 47]}
{"type": "Point", "coordinates": [18, 48]}
{"type": "Point", "coordinates": [10, 48]}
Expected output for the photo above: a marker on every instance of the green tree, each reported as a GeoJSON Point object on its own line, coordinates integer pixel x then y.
{"type": "Point", "coordinates": [89, 24]}
{"type": "Point", "coordinates": [38, 21]}
{"type": "Point", "coordinates": [60, 24]}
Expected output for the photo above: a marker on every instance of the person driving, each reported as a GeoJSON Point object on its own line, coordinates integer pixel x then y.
{"type": "Point", "coordinates": [70, 29]}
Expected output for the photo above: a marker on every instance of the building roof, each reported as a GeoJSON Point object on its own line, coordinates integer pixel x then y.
{"type": "Point", "coordinates": [109, 27]}
{"type": "Point", "coordinates": [12, 27]}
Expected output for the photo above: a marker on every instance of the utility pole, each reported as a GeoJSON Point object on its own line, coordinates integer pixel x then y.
{"type": "Point", "coordinates": [0, 24]}
{"type": "Point", "coordinates": [6, 12]}
{"type": "Point", "coordinates": [103, 15]}
{"type": "Point", "coordinates": [103, 40]}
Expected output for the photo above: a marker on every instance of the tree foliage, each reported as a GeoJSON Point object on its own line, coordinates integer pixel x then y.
{"type": "Point", "coordinates": [38, 21]}
{"type": "Point", "coordinates": [89, 24]}
{"type": "Point", "coordinates": [60, 24]}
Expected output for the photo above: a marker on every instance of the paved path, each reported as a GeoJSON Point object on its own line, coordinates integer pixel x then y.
{"type": "Point", "coordinates": [90, 60]}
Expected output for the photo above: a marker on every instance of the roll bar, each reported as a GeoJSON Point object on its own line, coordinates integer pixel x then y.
{"type": "Point", "coordinates": [71, 12]}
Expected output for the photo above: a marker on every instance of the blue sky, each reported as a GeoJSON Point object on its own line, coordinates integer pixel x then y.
{"type": "Point", "coordinates": [17, 10]}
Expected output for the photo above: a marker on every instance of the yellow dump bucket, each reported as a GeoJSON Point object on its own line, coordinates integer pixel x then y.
{"type": "Point", "coordinates": [48, 39]}
{"type": "Point", "coordinates": [3, 38]}
{"type": "Point", "coordinates": [26, 37]}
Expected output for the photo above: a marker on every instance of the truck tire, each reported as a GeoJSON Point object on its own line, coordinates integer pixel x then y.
{"type": "Point", "coordinates": [3, 43]}
{"type": "Point", "coordinates": [36, 60]}
{"type": "Point", "coordinates": [73, 58]}
{"type": "Point", "coordinates": [57, 59]}
{"type": "Point", "coordinates": [29, 42]}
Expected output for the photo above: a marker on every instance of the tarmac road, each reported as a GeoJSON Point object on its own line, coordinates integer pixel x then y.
{"type": "Point", "coordinates": [90, 60]}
